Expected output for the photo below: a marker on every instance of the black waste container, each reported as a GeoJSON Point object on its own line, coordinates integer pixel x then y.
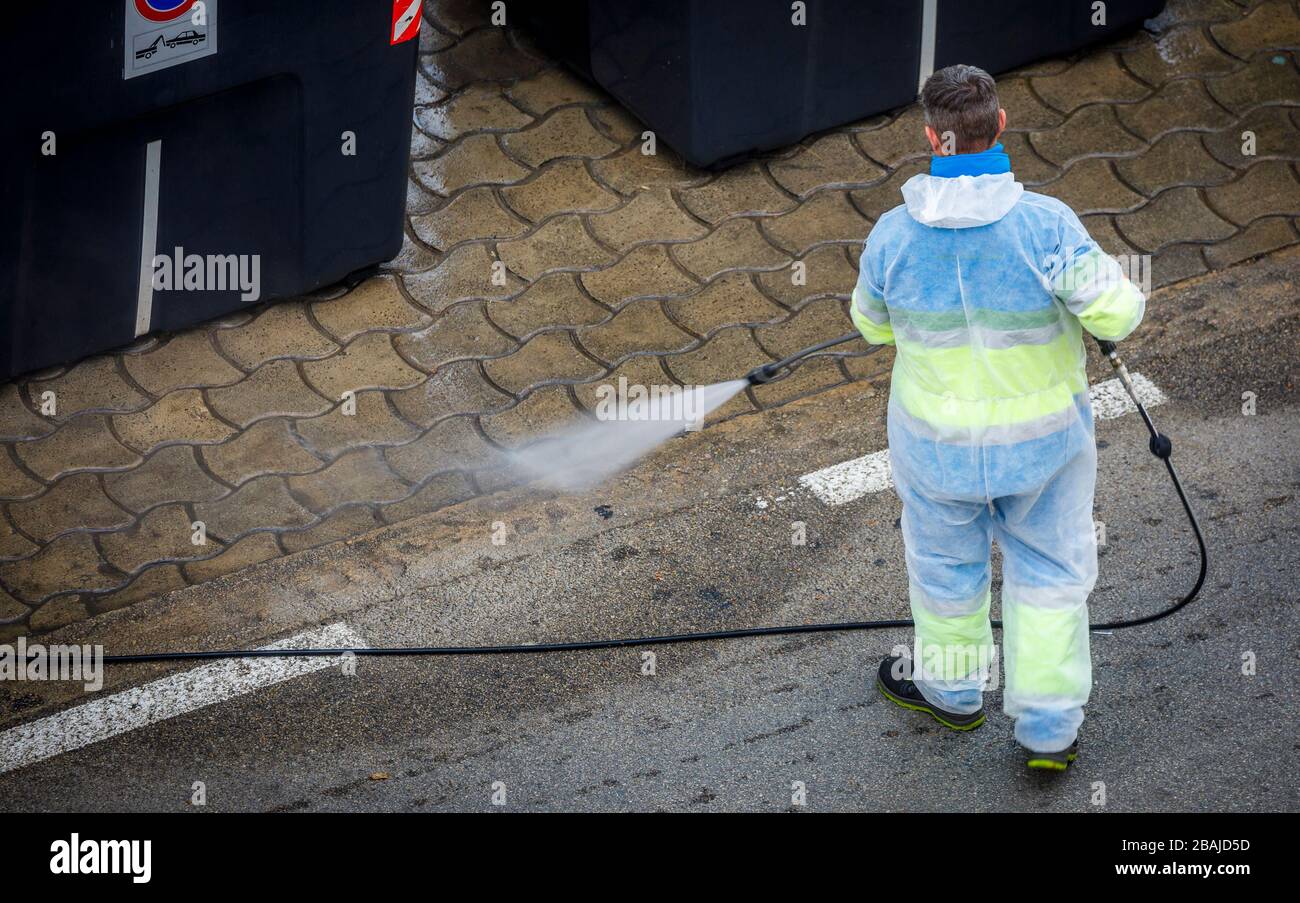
{"type": "Point", "coordinates": [721, 79]}
{"type": "Point", "coordinates": [171, 161]}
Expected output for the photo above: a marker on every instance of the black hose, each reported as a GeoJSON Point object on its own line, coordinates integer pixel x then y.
{"type": "Point", "coordinates": [1159, 446]}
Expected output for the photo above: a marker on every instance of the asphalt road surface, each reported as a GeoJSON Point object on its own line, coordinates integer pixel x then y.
{"type": "Point", "coordinates": [1195, 712]}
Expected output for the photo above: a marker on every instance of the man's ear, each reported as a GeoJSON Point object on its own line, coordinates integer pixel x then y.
{"type": "Point", "coordinates": [1002, 124]}
{"type": "Point", "coordinates": [933, 137]}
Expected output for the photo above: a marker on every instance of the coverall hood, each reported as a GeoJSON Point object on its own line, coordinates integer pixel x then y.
{"type": "Point", "coordinates": [962, 202]}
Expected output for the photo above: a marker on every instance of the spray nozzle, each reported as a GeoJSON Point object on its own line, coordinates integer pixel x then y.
{"type": "Point", "coordinates": [768, 372]}
{"type": "Point", "coordinates": [763, 374]}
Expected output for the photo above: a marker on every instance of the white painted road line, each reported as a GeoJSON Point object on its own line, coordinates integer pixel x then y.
{"type": "Point", "coordinates": [1109, 400]}
{"type": "Point", "coordinates": [842, 483]}
{"type": "Point", "coordinates": [167, 697]}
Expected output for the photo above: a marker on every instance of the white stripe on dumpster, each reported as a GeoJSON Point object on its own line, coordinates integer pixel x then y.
{"type": "Point", "coordinates": [851, 480]}
{"type": "Point", "coordinates": [148, 238]}
{"type": "Point", "coordinates": [167, 697]}
{"type": "Point", "coordinates": [929, 31]}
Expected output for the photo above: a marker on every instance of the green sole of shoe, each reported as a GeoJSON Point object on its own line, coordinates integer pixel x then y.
{"type": "Point", "coordinates": [1052, 764]}
{"type": "Point", "coordinates": [913, 707]}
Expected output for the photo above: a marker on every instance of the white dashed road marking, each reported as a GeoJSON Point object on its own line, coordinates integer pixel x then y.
{"type": "Point", "coordinates": [842, 483]}
{"type": "Point", "coordinates": [167, 697]}
{"type": "Point", "coordinates": [1109, 400]}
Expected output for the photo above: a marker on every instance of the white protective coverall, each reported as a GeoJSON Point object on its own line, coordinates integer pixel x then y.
{"type": "Point", "coordinates": [984, 288]}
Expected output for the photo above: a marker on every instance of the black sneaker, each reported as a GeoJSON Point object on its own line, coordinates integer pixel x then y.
{"type": "Point", "coordinates": [902, 691]}
{"type": "Point", "coordinates": [1055, 761]}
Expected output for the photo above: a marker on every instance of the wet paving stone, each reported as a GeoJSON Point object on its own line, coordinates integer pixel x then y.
{"type": "Point", "coordinates": [358, 474]}
{"type": "Point", "coordinates": [1176, 215]}
{"type": "Point", "coordinates": [831, 160]}
{"type": "Point", "coordinates": [17, 421]}
{"type": "Point", "coordinates": [567, 132]}
{"type": "Point", "coordinates": [564, 186]}
{"type": "Point", "coordinates": [551, 302]}
{"type": "Point", "coordinates": [163, 533]}
{"type": "Point", "coordinates": [15, 483]}
{"type": "Point", "coordinates": [651, 216]}
{"type": "Point", "coordinates": [561, 244]}
{"type": "Point", "coordinates": [280, 331]}
{"type": "Point", "coordinates": [452, 444]}
{"type": "Point", "coordinates": [180, 416]}
{"type": "Point", "coordinates": [73, 503]}
{"type": "Point", "coordinates": [368, 362]}
{"type": "Point", "coordinates": [1269, 78]}
{"type": "Point", "coordinates": [439, 492]}
{"type": "Point", "coordinates": [879, 199]}
{"type": "Point", "coordinates": [84, 443]}
{"type": "Point", "coordinates": [371, 423]}
{"type": "Point", "coordinates": [454, 388]}
{"type": "Point", "coordinates": [1095, 79]}
{"type": "Point", "coordinates": [736, 244]}
{"type": "Point", "coordinates": [1271, 25]}
{"type": "Point", "coordinates": [469, 272]}
{"type": "Point", "coordinates": [475, 160]}
{"type": "Point", "coordinates": [632, 170]}
{"type": "Point", "coordinates": [1268, 132]}
{"type": "Point", "coordinates": [186, 360]}
{"type": "Point", "coordinates": [346, 522]}
{"type": "Point", "coordinates": [275, 389]}
{"type": "Point", "coordinates": [1182, 104]}
{"type": "Point", "coordinates": [261, 503]}
{"type": "Point", "coordinates": [470, 216]}
{"type": "Point", "coordinates": [828, 216]}
{"type": "Point", "coordinates": [1090, 186]}
{"type": "Point", "coordinates": [728, 300]}
{"type": "Point", "coordinates": [1177, 158]}
{"type": "Point", "coordinates": [479, 108]}
{"type": "Point", "coordinates": [552, 87]}
{"type": "Point", "coordinates": [549, 357]}
{"type": "Point", "coordinates": [641, 327]}
{"type": "Point", "coordinates": [1091, 131]}
{"type": "Point", "coordinates": [267, 447]}
{"type": "Point", "coordinates": [644, 272]}
{"type": "Point", "coordinates": [93, 385]}
{"type": "Point", "coordinates": [745, 189]}
{"type": "Point", "coordinates": [155, 581]}
{"type": "Point", "coordinates": [1269, 187]}
{"type": "Point", "coordinates": [71, 561]}
{"type": "Point", "coordinates": [171, 474]}
{"type": "Point", "coordinates": [375, 304]}
{"type": "Point", "coordinates": [251, 550]}
{"type": "Point", "coordinates": [462, 332]}
{"type": "Point", "coordinates": [824, 270]}
{"type": "Point", "coordinates": [538, 414]}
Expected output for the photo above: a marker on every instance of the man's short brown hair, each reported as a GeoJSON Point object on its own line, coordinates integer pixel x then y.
{"type": "Point", "coordinates": [962, 100]}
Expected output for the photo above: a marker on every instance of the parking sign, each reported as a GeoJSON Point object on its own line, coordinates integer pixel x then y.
{"type": "Point", "coordinates": [165, 33]}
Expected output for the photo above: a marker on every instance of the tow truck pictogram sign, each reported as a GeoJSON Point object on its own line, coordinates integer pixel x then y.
{"type": "Point", "coordinates": [160, 34]}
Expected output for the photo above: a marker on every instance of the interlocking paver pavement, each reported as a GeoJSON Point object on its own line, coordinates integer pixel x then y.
{"type": "Point", "coordinates": [546, 255]}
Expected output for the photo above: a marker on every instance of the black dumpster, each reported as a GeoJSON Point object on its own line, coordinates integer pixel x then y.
{"type": "Point", "coordinates": [166, 161]}
{"type": "Point", "coordinates": [721, 79]}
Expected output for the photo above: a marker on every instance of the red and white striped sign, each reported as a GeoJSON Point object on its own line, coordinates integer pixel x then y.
{"type": "Point", "coordinates": [406, 20]}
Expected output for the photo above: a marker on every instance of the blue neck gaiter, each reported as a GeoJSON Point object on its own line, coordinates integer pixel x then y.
{"type": "Point", "coordinates": [989, 162]}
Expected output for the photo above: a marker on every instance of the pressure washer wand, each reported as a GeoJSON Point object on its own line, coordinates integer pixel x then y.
{"type": "Point", "coordinates": [768, 372]}
{"type": "Point", "coordinates": [1160, 444]}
